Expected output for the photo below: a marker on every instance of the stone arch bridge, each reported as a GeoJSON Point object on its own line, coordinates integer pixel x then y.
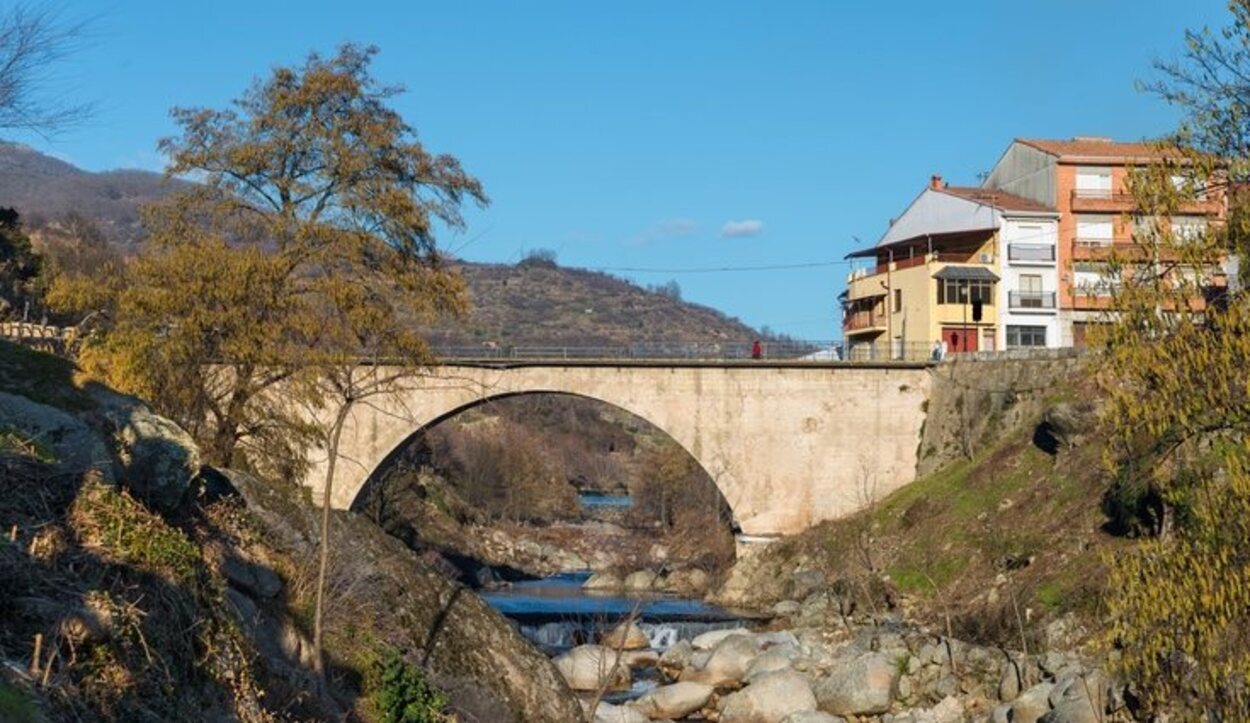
{"type": "Point", "coordinates": [789, 444]}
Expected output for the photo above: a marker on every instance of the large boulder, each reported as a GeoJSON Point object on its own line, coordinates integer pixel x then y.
{"type": "Point", "coordinates": [674, 701]}
{"type": "Point", "coordinates": [863, 685]}
{"type": "Point", "coordinates": [626, 636]}
{"type": "Point", "coordinates": [780, 657]}
{"type": "Point", "coordinates": [1031, 705]}
{"type": "Point", "coordinates": [728, 662]}
{"type": "Point", "coordinates": [712, 638]}
{"type": "Point", "coordinates": [770, 698]}
{"type": "Point", "coordinates": [603, 581]}
{"type": "Point", "coordinates": [159, 459]}
{"type": "Point", "coordinates": [641, 580]}
{"type": "Point", "coordinates": [468, 648]}
{"type": "Point", "coordinates": [593, 667]}
{"type": "Point", "coordinates": [61, 438]}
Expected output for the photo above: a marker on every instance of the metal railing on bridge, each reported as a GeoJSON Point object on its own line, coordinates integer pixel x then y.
{"type": "Point", "coordinates": [790, 351]}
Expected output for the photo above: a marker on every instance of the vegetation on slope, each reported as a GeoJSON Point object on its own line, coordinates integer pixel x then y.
{"type": "Point", "coordinates": [997, 546]}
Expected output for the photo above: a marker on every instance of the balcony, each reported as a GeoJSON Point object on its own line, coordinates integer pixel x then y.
{"type": "Point", "coordinates": [1098, 200]}
{"type": "Point", "coordinates": [863, 322]}
{"type": "Point", "coordinates": [1084, 248]}
{"type": "Point", "coordinates": [1028, 300]}
{"type": "Point", "coordinates": [1031, 253]}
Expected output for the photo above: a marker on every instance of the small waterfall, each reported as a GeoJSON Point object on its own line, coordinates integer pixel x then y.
{"type": "Point", "coordinates": [662, 636]}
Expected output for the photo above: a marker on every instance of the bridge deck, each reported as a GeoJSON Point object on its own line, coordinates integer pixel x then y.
{"type": "Point", "coordinates": [496, 363]}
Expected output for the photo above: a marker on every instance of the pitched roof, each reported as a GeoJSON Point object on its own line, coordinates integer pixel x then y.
{"type": "Point", "coordinates": [1090, 147]}
{"type": "Point", "coordinates": [997, 199]}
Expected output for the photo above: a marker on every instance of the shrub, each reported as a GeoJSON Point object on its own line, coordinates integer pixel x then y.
{"type": "Point", "coordinates": [404, 695]}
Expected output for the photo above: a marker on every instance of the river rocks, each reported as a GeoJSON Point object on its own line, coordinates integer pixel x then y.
{"type": "Point", "coordinates": [728, 662]}
{"type": "Point", "coordinates": [603, 581]}
{"type": "Point", "coordinates": [813, 716]}
{"type": "Point", "coordinates": [712, 638]}
{"type": "Point", "coordinates": [674, 701]}
{"type": "Point", "coordinates": [1028, 707]}
{"type": "Point", "coordinates": [678, 656]}
{"type": "Point", "coordinates": [640, 658]}
{"type": "Point", "coordinates": [593, 667]}
{"type": "Point", "coordinates": [608, 713]}
{"type": "Point", "coordinates": [641, 580]}
{"type": "Point", "coordinates": [771, 661]}
{"type": "Point", "coordinates": [949, 710]}
{"type": "Point", "coordinates": [770, 698]}
{"type": "Point", "coordinates": [867, 684]}
{"type": "Point", "coordinates": [626, 637]}
{"type": "Point", "coordinates": [786, 608]}
{"type": "Point", "coordinates": [159, 459]}
{"type": "Point", "coordinates": [688, 581]}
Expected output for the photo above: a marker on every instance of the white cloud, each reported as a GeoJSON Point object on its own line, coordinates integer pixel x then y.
{"type": "Point", "coordinates": [743, 228]}
{"type": "Point", "coordinates": [670, 228]}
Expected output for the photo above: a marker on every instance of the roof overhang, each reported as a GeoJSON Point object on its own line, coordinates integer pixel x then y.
{"type": "Point", "coordinates": [965, 273]}
{"type": "Point", "coordinates": [917, 240]}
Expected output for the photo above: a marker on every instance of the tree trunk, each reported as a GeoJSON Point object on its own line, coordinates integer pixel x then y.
{"type": "Point", "coordinates": [332, 453]}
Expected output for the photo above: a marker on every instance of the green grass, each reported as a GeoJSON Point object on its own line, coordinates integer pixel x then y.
{"type": "Point", "coordinates": [16, 706]}
{"type": "Point", "coordinates": [40, 377]}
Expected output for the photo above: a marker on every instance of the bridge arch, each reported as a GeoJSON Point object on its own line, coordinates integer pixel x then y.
{"type": "Point", "coordinates": [787, 445]}
{"type": "Point", "coordinates": [387, 462]}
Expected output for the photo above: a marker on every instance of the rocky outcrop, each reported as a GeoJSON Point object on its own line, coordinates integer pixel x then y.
{"type": "Point", "coordinates": [158, 458]}
{"type": "Point", "coordinates": [467, 647]}
{"type": "Point", "coordinates": [66, 441]}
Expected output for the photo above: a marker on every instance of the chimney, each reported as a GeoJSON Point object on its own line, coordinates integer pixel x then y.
{"type": "Point", "coordinates": [935, 181]}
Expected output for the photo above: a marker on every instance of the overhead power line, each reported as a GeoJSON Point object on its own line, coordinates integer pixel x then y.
{"type": "Point", "coordinates": [716, 269]}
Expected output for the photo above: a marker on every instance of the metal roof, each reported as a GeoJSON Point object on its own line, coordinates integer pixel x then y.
{"type": "Point", "coordinates": [965, 273]}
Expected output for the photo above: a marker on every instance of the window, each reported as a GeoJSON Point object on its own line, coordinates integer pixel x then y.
{"type": "Point", "coordinates": [1188, 228]}
{"type": "Point", "coordinates": [964, 291]}
{"type": "Point", "coordinates": [1091, 279]}
{"type": "Point", "coordinates": [1031, 283]}
{"type": "Point", "coordinates": [1187, 186]}
{"type": "Point", "coordinates": [1093, 182]}
{"type": "Point", "coordinates": [898, 300]}
{"type": "Point", "coordinates": [1095, 229]}
{"type": "Point", "coordinates": [1025, 336]}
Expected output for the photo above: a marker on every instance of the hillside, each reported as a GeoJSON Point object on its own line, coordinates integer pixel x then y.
{"type": "Point", "coordinates": [541, 303]}
{"type": "Point", "coordinates": [523, 304]}
{"type": "Point", "coordinates": [45, 189]}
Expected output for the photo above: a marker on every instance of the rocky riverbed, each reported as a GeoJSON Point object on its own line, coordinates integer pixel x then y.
{"type": "Point", "coordinates": [814, 666]}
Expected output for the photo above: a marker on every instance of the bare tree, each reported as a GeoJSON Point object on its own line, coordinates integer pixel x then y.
{"type": "Point", "coordinates": [34, 39]}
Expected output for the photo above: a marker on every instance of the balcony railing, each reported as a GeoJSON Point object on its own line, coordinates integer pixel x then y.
{"type": "Point", "coordinates": [1031, 299]}
{"type": "Point", "coordinates": [1100, 199]}
{"type": "Point", "coordinates": [863, 321]}
{"type": "Point", "coordinates": [1037, 253]}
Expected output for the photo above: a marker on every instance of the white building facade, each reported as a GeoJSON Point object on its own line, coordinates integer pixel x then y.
{"type": "Point", "coordinates": [1028, 295]}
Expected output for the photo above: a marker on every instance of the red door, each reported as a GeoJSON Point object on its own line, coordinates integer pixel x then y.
{"type": "Point", "coordinates": [959, 338]}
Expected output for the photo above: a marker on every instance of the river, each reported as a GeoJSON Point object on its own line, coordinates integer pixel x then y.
{"type": "Point", "coordinates": [557, 613]}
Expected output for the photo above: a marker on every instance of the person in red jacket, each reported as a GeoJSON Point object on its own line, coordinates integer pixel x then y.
{"type": "Point", "coordinates": [755, 350]}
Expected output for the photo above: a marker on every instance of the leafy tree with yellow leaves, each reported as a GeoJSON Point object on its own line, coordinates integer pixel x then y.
{"type": "Point", "coordinates": [288, 285]}
{"type": "Point", "coordinates": [1174, 364]}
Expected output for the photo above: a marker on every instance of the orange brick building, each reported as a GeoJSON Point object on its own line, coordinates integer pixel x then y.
{"type": "Point", "coordinates": [1083, 180]}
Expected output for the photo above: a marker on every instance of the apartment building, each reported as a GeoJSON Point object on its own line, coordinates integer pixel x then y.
{"type": "Point", "coordinates": [1083, 180]}
{"type": "Point", "coordinates": [974, 268]}
{"type": "Point", "coordinates": [1028, 250]}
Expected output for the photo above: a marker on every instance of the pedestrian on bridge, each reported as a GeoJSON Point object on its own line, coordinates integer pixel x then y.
{"type": "Point", "coordinates": [756, 353]}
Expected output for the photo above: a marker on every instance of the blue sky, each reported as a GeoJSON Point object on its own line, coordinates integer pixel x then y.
{"type": "Point", "coordinates": [673, 135]}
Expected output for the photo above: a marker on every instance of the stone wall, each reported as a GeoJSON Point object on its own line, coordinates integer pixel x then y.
{"type": "Point", "coordinates": [977, 398]}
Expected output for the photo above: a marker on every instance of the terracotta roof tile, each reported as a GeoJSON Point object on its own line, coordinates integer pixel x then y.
{"type": "Point", "coordinates": [996, 199]}
{"type": "Point", "coordinates": [1081, 147]}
